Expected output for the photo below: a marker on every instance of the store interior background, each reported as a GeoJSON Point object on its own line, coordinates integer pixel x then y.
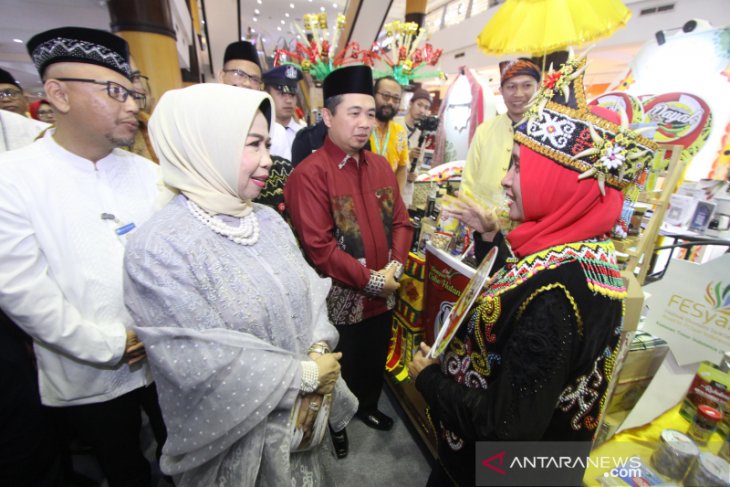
{"type": "Point", "coordinates": [453, 26]}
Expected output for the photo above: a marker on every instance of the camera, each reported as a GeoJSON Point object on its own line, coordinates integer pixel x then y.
{"type": "Point", "coordinates": [428, 124]}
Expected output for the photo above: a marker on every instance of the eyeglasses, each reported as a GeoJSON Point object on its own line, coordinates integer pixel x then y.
{"type": "Point", "coordinates": [244, 76]}
{"type": "Point", "coordinates": [9, 94]}
{"type": "Point", "coordinates": [114, 90]}
{"type": "Point", "coordinates": [136, 76]}
{"type": "Point", "coordinates": [45, 112]}
{"type": "Point", "coordinates": [389, 97]}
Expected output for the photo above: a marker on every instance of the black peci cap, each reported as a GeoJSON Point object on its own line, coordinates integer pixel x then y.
{"type": "Point", "coordinates": [242, 50]}
{"type": "Point", "coordinates": [80, 45]}
{"type": "Point", "coordinates": [350, 79]}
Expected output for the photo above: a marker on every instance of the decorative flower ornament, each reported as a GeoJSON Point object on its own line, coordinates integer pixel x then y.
{"type": "Point", "coordinates": [400, 52]}
{"type": "Point", "coordinates": [559, 125]}
{"type": "Point", "coordinates": [318, 56]}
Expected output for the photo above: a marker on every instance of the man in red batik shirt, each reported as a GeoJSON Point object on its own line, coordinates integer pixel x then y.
{"type": "Point", "coordinates": [347, 211]}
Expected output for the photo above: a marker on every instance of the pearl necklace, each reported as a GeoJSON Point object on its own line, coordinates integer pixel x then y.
{"type": "Point", "coordinates": [247, 232]}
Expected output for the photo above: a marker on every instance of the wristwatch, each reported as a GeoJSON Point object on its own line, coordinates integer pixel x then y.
{"type": "Point", "coordinates": [319, 347]}
{"type": "Point", "coordinates": [398, 269]}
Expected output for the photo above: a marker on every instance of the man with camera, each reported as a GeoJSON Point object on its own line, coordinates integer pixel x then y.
{"type": "Point", "coordinates": [417, 123]}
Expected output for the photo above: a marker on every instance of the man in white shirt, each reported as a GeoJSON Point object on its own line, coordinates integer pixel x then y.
{"type": "Point", "coordinates": [67, 204]}
{"type": "Point", "coordinates": [281, 83]}
{"type": "Point", "coordinates": [16, 129]}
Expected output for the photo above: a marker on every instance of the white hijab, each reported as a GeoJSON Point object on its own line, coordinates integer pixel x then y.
{"type": "Point", "coordinates": [199, 134]}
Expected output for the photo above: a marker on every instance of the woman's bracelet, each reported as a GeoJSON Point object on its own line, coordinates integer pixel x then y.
{"type": "Point", "coordinates": [310, 376]}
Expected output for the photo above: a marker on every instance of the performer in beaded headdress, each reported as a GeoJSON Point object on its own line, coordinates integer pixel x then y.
{"type": "Point", "coordinates": [534, 357]}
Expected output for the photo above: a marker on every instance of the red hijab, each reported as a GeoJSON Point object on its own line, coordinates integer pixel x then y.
{"type": "Point", "coordinates": [559, 208]}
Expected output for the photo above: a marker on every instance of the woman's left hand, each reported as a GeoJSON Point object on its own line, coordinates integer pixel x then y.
{"type": "Point", "coordinates": [420, 361]}
{"type": "Point", "coordinates": [311, 404]}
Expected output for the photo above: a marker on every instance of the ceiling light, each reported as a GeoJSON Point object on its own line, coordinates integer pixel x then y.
{"type": "Point", "coordinates": [291, 5]}
{"type": "Point", "coordinates": [19, 41]}
{"type": "Point", "coordinates": [279, 29]}
{"type": "Point", "coordinates": [322, 9]}
{"type": "Point", "coordinates": [282, 22]}
{"type": "Point", "coordinates": [334, 5]}
{"type": "Point", "coordinates": [286, 15]}
{"type": "Point", "coordinates": [256, 11]}
{"type": "Point", "coordinates": [259, 2]}
{"type": "Point", "coordinates": [298, 36]}
{"type": "Point", "coordinates": [253, 31]}
{"type": "Point", "coordinates": [255, 19]}
{"type": "Point", "coordinates": [263, 40]}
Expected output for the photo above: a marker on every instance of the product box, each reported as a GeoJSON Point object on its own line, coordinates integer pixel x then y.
{"type": "Point", "coordinates": [644, 358]}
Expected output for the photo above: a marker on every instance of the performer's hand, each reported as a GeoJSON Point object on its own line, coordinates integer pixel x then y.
{"type": "Point", "coordinates": [134, 349]}
{"type": "Point", "coordinates": [474, 215]}
{"type": "Point", "coordinates": [328, 366]}
{"type": "Point", "coordinates": [391, 285]}
{"type": "Point", "coordinates": [420, 361]}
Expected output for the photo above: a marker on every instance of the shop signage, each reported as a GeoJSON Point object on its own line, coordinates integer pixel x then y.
{"type": "Point", "coordinates": [681, 118]}
{"type": "Point", "coordinates": [690, 309]}
{"type": "Point", "coordinates": [620, 101]}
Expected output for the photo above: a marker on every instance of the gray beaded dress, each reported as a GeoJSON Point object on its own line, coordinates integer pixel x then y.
{"type": "Point", "coordinates": [226, 327]}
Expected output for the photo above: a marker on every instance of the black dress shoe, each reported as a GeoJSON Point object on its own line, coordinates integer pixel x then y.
{"type": "Point", "coordinates": [340, 442]}
{"type": "Point", "coordinates": [376, 420]}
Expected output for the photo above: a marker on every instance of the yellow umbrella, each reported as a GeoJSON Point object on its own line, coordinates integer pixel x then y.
{"type": "Point", "coordinates": [543, 26]}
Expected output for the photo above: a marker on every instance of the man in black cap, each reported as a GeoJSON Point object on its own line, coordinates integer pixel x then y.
{"type": "Point", "coordinates": [67, 204]}
{"type": "Point", "coordinates": [346, 208]}
{"type": "Point", "coordinates": [281, 83]}
{"type": "Point", "coordinates": [12, 97]}
{"type": "Point", "coordinates": [16, 128]}
{"type": "Point", "coordinates": [241, 66]}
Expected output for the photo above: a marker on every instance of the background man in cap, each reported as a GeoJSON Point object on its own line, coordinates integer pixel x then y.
{"type": "Point", "coordinates": [16, 128]}
{"type": "Point", "coordinates": [346, 208]}
{"type": "Point", "coordinates": [241, 66]}
{"type": "Point", "coordinates": [12, 97]}
{"type": "Point", "coordinates": [491, 148]}
{"type": "Point", "coordinates": [389, 138]}
{"type": "Point", "coordinates": [281, 83]}
{"type": "Point", "coordinates": [67, 203]}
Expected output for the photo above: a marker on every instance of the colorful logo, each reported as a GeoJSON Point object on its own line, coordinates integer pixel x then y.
{"type": "Point", "coordinates": [717, 295]}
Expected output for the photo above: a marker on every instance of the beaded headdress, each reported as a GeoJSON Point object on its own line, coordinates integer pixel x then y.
{"type": "Point", "coordinates": [408, 62]}
{"type": "Point", "coordinates": [317, 56]}
{"type": "Point", "coordinates": [559, 125]}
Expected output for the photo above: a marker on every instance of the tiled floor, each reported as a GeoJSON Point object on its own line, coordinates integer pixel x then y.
{"type": "Point", "coordinates": [376, 459]}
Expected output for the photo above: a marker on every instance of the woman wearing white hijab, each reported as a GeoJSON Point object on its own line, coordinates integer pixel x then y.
{"type": "Point", "coordinates": [233, 318]}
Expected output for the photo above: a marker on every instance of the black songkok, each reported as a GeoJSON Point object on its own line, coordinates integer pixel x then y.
{"type": "Point", "coordinates": [80, 45]}
{"type": "Point", "coordinates": [350, 79]}
{"type": "Point", "coordinates": [7, 78]}
{"type": "Point", "coordinates": [243, 50]}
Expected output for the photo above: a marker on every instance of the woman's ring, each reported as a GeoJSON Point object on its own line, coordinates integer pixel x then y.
{"type": "Point", "coordinates": [314, 406]}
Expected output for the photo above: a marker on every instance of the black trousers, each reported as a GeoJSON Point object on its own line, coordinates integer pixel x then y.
{"type": "Point", "coordinates": [30, 449]}
{"type": "Point", "coordinates": [112, 429]}
{"type": "Point", "coordinates": [364, 348]}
